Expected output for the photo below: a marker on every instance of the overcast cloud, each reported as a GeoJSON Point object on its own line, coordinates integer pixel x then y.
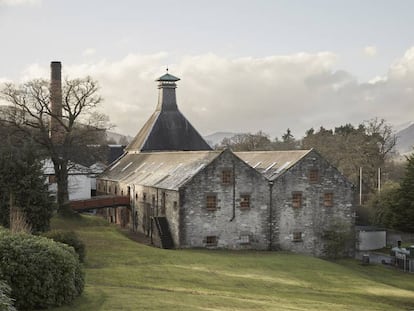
{"type": "Point", "coordinates": [296, 91]}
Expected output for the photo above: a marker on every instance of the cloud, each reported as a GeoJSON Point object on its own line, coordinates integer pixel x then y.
{"type": "Point", "coordinates": [370, 51]}
{"type": "Point", "coordinates": [89, 52]}
{"type": "Point", "coordinates": [216, 93]}
{"type": "Point", "coordinates": [20, 2]}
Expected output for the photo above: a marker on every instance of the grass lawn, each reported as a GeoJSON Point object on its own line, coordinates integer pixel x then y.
{"type": "Point", "coordinates": [124, 275]}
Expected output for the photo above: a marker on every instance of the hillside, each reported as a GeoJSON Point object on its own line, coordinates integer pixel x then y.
{"type": "Point", "coordinates": [217, 138]}
{"type": "Point", "coordinates": [124, 275]}
{"type": "Point", "coordinates": [405, 140]}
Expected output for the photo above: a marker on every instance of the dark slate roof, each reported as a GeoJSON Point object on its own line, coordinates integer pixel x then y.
{"type": "Point", "coordinates": [167, 129]}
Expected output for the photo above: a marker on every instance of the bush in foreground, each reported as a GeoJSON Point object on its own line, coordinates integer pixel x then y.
{"type": "Point", "coordinates": [70, 238]}
{"type": "Point", "coordinates": [6, 303]}
{"type": "Point", "coordinates": [41, 273]}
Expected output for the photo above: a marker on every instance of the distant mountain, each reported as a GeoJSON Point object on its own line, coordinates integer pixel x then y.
{"type": "Point", "coordinates": [405, 139]}
{"type": "Point", "coordinates": [216, 138]}
{"type": "Point", "coordinates": [118, 139]}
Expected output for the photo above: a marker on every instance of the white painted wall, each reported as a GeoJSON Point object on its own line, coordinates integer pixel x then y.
{"type": "Point", "coordinates": [370, 240]}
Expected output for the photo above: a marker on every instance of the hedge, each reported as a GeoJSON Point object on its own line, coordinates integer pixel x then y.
{"type": "Point", "coordinates": [70, 238]}
{"type": "Point", "coordinates": [41, 273]}
{"type": "Point", "coordinates": [6, 302]}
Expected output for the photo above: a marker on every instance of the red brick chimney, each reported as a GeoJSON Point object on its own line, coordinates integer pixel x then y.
{"type": "Point", "coordinates": [55, 127]}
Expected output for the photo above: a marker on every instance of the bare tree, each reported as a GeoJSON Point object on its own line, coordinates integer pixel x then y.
{"type": "Point", "coordinates": [63, 132]}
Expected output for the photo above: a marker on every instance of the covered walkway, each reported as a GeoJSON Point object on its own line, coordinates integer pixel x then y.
{"type": "Point", "coordinates": [98, 202]}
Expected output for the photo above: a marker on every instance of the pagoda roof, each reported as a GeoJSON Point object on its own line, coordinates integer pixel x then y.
{"type": "Point", "coordinates": [168, 78]}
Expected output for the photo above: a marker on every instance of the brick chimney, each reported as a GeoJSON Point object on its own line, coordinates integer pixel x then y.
{"type": "Point", "coordinates": [55, 127]}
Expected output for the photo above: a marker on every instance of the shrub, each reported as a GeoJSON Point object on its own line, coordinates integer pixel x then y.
{"type": "Point", "coordinates": [6, 303]}
{"type": "Point", "coordinates": [339, 240]}
{"type": "Point", "coordinates": [42, 273]}
{"type": "Point", "coordinates": [70, 238]}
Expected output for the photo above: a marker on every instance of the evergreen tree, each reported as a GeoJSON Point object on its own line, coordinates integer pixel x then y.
{"type": "Point", "coordinates": [404, 212]}
{"type": "Point", "coordinates": [22, 184]}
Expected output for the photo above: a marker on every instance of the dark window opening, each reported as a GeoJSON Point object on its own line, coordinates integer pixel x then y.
{"type": "Point", "coordinates": [226, 177]}
{"type": "Point", "coordinates": [211, 240]}
{"type": "Point", "coordinates": [314, 175]}
{"type": "Point", "coordinates": [297, 200]}
{"type": "Point", "coordinates": [297, 236]}
{"type": "Point", "coordinates": [328, 199]}
{"type": "Point", "coordinates": [211, 202]}
{"type": "Point", "coordinates": [245, 201]}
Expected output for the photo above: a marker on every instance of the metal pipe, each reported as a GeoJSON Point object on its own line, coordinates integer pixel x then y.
{"type": "Point", "coordinates": [234, 190]}
{"type": "Point", "coordinates": [270, 215]}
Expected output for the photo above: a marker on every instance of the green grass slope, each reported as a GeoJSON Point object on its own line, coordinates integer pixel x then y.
{"type": "Point", "coordinates": [124, 275]}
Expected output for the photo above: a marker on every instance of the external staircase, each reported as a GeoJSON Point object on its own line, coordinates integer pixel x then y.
{"type": "Point", "coordinates": [161, 223]}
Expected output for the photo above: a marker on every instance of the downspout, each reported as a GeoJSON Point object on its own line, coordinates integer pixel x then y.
{"type": "Point", "coordinates": [270, 215]}
{"type": "Point", "coordinates": [234, 190]}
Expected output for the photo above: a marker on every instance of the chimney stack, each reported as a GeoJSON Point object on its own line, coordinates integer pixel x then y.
{"type": "Point", "coordinates": [55, 126]}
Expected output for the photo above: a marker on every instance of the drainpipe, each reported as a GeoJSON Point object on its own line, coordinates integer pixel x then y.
{"type": "Point", "coordinates": [270, 215]}
{"type": "Point", "coordinates": [234, 191]}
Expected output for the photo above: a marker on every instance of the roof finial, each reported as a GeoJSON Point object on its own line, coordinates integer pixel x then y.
{"type": "Point", "coordinates": [167, 69]}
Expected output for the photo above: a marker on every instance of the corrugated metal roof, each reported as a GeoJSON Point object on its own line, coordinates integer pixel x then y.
{"type": "Point", "coordinates": [166, 170]}
{"type": "Point", "coordinates": [272, 163]}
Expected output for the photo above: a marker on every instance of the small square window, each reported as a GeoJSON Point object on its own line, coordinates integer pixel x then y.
{"type": "Point", "coordinates": [244, 201]}
{"type": "Point", "coordinates": [297, 236]}
{"type": "Point", "coordinates": [52, 179]}
{"type": "Point", "coordinates": [314, 175]}
{"type": "Point", "coordinates": [297, 200]}
{"type": "Point", "coordinates": [226, 177]}
{"type": "Point", "coordinates": [245, 239]}
{"type": "Point", "coordinates": [328, 199]}
{"type": "Point", "coordinates": [211, 240]}
{"type": "Point", "coordinates": [211, 202]}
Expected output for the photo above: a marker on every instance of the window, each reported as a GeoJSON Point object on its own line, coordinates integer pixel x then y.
{"type": "Point", "coordinates": [244, 201]}
{"type": "Point", "coordinates": [328, 199]}
{"type": "Point", "coordinates": [297, 236]}
{"type": "Point", "coordinates": [226, 177]}
{"type": "Point", "coordinates": [245, 239]}
{"type": "Point", "coordinates": [175, 205]}
{"type": "Point", "coordinates": [211, 240]}
{"type": "Point", "coordinates": [314, 175]}
{"type": "Point", "coordinates": [144, 197]}
{"type": "Point", "coordinates": [52, 179]}
{"type": "Point", "coordinates": [211, 202]}
{"type": "Point", "coordinates": [297, 200]}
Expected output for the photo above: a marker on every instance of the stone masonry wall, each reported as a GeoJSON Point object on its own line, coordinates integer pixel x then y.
{"type": "Point", "coordinates": [247, 228]}
{"type": "Point", "coordinates": [148, 201]}
{"type": "Point", "coordinates": [313, 217]}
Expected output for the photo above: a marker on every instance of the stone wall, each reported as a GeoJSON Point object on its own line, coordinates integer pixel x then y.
{"type": "Point", "coordinates": [234, 227]}
{"type": "Point", "coordinates": [150, 201]}
{"type": "Point", "coordinates": [301, 229]}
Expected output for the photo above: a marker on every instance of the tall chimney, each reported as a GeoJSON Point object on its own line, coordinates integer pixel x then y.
{"type": "Point", "coordinates": [55, 126]}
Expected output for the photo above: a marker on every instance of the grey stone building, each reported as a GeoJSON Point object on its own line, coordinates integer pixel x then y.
{"type": "Point", "coordinates": [183, 194]}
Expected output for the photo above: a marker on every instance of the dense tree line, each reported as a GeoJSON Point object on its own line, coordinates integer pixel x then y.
{"type": "Point", "coordinates": [393, 207]}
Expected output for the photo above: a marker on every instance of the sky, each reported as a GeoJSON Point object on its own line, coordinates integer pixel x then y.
{"type": "Point", "coordinates": [244, 66]}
